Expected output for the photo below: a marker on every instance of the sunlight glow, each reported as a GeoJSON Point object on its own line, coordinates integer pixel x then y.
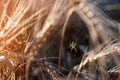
{"type": "Point", "coordinates": [1, 33]}
{"type": "Point", "coordinates": [2, 58]}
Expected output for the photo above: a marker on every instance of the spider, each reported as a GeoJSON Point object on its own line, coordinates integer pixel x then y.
{"type": "Point", "coordinates": [73, 46]}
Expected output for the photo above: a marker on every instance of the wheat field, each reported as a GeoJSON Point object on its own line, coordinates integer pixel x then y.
{"type": "Point", "coordinates": [59, 40]}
